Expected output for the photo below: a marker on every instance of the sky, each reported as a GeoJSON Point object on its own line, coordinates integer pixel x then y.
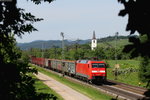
{"type": "Point", "coordinates": [77, 19]}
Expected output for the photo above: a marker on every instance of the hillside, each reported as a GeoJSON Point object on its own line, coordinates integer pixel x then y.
{"type": "Point", "coordinates": [48, 44]}
{"type": "Point", "coordinates": [111, 41]}
{"type": "Point", "coordinates": [103, 42]}
{"type": "Point", "coordinates": [120, 43]}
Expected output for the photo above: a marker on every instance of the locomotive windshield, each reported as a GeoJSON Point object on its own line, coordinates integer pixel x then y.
{"type": "Point", "coordinates": [98, 65]}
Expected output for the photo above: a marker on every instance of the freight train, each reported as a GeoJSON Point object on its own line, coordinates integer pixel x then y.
{"type": "Point", "coordinates": [89, 70]}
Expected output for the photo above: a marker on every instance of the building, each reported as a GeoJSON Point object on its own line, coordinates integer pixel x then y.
{"type": "Point", "coordinates": [93, 41]}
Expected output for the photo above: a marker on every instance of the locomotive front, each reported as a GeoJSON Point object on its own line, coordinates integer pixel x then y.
{"type": "Point", "coordinates": [98, 71]}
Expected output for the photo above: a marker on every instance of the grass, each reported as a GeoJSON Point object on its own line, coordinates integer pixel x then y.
{"type": "Point", "coordinates": [129, 78]}
{"type": "Point", "coordinates": [86, 90]}
{"type": "Point", "coordinates": [131, 63]}
{"type": "Point", "coordinates": [42, 88]}
{"type": "Point", "coordinates": [120, 43]}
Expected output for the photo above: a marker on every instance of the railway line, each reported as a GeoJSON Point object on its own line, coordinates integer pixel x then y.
{"type": "Point", "coordinates": [135, 89]}
{"type": "Point", "coordinates": [117, 89]}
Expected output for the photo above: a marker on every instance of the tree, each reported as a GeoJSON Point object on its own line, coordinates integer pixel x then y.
{"type": "Point", "coordinates": [145, 70]}
{"type": "Point", "coordinates": [138, 12]}
{"type": "Point", "coordinates": [110, 52]}
{"type": "Point", "coordinates": [99, 53]}
{"type": "Point", "coordinates": [15, 83]}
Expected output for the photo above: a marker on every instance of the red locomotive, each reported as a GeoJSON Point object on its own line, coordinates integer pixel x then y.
{"type": "Point", "coordinates": [93, 71]}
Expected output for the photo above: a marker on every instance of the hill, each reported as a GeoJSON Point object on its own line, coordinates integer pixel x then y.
{"type": "Point", "coordinates": [48, 44]}
{"type": "Point", "coordinates": [111, 41]}
{"type": "Point", "coordinates": [103, 42]}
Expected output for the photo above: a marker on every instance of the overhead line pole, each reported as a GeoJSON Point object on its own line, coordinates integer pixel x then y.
{"type": "Point", "coordinates": [116, 36]}
{"type": "Point", "coordinates": [62, 34]}
{"type": "Point", "coordinates": [116, 65]}
{"type": "Point", "coordinates": [42, 55]}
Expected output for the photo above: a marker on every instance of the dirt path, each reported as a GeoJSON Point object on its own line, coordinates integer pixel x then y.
{"type": "Point", "coordinates": [66, 92]}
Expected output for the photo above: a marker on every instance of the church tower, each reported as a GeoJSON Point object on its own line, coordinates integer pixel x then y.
{"type": "Point", "coordinates": [93, 42]}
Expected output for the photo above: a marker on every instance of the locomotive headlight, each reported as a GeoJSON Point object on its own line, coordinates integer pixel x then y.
{"type": "Point", "coordinates": [94, 71]}
{"type": "Point", "coordinates": [102, 71]}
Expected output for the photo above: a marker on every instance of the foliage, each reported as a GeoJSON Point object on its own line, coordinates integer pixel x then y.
{"type": "Point", "coordinates": [16, 84]}
{"type": "Point", "coordinates": [25, 57]}
{"type": "Point", "coordinates": [99, 53]}
{"type": "Point", "coordinates": [75, 52]}
{"type": "Point", "coordinates": [138, 12]}
{"type": "Point", "coordinates": [144, 73]}
{"type": "Point", "coordinates": [39, 1]}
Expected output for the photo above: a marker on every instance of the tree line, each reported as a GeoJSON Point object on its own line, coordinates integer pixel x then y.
{"type": "Point", "coordinates": [80, 51]}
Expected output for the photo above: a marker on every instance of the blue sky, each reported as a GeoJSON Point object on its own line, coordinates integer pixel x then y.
{"type": "Point", "coordinates": [76, 18]}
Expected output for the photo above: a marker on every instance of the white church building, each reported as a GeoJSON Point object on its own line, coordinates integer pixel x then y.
{"type": "Point", "coordinates": [93, 41]}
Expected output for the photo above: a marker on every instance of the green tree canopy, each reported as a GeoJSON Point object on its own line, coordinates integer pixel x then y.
{"type": "Point", "coordinates": [15, 83]}
{"type": "Point", "coordinates": [138, 12]}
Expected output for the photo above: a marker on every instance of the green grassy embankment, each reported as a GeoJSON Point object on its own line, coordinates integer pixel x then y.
{"type": "Point", "coordinates": [128, 77]}
{"type": "Point", "coordinates": [42, 88]}
{"type": "Point", "coordinates": [86, 90]}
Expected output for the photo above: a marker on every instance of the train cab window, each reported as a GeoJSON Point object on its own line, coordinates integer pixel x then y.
{"type": "Point", "coordinates": [83, 61]}
{"type": "Point", "coordinates": [98, 65]}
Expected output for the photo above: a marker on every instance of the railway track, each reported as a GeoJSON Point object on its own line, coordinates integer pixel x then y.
{"type": "Point", "coordinates": [117, 89]}
{"type": "Point", "coordinates": [135, 89]}
{"type": "Point", "coordinates": [125, 92]}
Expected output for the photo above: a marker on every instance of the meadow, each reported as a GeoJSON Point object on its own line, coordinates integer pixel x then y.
{"type": "Point", "coordinates": [128, 72]}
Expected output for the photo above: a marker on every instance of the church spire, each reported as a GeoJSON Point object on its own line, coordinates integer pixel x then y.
{"type": "Point", "coordinates": [94, 37]}
{"type": "Point", "coordinates": [93, 41]}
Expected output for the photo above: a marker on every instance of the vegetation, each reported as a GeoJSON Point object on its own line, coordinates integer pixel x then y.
{"type": "Point", "coordinates": [105, 50]}
{"type": "Point", "coordinates": [144, 73]}
{"type": "Point", "coordinates": [138, 12]}
{"type": "Point", "coordinates": [15, 83]}
{"type": "Point", "coordinates": [42, 88]}
{"type": "Point", "coordinates": [127, 72]}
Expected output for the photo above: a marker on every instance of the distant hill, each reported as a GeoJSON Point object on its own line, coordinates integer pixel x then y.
{"type": "Point", "coordinates": [111, 38]}
{"type": "Point", "coordinates": [103, 42]}
{"type": "Point", "coordinates": [110, 41]}
{"type": "Point", "coordinates": [49, 44]}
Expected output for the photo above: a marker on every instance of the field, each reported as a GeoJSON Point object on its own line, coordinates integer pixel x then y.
{"type": "Point", "coordinates": [129, 77]}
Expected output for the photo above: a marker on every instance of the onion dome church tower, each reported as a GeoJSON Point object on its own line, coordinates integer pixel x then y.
{"type": "Point", "coordinates": [93, 41]}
